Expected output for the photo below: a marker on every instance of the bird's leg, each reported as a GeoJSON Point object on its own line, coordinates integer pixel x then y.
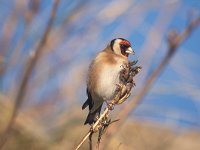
{"type": "Point", "coordinates": [110, 105]}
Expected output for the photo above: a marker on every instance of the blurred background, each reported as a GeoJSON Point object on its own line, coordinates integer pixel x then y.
{"type": "Point", "coordinates": [48, 114]}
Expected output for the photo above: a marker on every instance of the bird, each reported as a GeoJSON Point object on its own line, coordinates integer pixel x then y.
{"type": "Point", "coordinates": [104, 76]}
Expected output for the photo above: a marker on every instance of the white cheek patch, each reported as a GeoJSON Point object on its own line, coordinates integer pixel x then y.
{"type": "Point", "coordinates": [116, 46]}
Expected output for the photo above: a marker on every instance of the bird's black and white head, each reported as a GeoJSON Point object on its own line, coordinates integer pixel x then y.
{"type": "Point", "coordinates": [121, 46]}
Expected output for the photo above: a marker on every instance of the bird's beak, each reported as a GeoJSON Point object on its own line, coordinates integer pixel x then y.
{"type": "Point", "coordinates": [130, 51]}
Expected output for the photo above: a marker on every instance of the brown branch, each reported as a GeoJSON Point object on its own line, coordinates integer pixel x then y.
{"type": "Point", "coordinates": [92, 129]}
{"type": "Point", "coordinates": [28, 71]}
{"type": "Point", "coordinates": [28, 15]}
{"type": "Point", "coordinates": [174, 41]}
{"type": "Point", "coordinates": [90, 141]}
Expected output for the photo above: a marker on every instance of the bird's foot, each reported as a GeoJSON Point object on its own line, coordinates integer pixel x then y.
{"type": "Point", "coordinates": [110, 105]}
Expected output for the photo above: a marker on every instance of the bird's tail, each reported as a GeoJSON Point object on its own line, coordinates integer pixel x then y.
{"type": "Point", "coordinates": [91, 118]}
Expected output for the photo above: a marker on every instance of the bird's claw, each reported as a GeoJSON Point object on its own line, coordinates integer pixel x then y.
{"type": "Point", "coordinates": [119, 87]}
{"type": "Point", "coordinates": [110, 106]}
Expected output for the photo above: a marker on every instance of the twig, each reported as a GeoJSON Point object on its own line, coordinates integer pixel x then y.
{"type": "Point", "coordinates": [83, 140]}
{"type": "Point", "coordinates": [90, 140]}
{"type": "Point", "coordinates": [102, 122]}
{"type": "Point", "coordinates": [28, 71]}
{"type": "Point", "coordinates": [29, 15]}
{"type": "Point", "coordinates": [174, 41]}
{"type": "Point", "coordinates": [92, 128]}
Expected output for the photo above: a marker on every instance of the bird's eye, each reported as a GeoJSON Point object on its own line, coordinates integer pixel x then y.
{"type": "Point", "coordinates": [123, 46]}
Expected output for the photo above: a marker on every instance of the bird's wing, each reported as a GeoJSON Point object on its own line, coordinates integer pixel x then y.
{"type": "Point", "coordinates": [88, 101]}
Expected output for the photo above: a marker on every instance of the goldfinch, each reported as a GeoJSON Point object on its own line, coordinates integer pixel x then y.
{"type": "Point", "coordinates": [104, 76]}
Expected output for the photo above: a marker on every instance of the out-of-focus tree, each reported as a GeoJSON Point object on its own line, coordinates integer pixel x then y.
{"type": "Point", "coordinates": [50, 115]}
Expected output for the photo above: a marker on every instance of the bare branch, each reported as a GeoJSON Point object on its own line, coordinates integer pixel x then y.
{"type": "Point", "coordinates": [28, 71]}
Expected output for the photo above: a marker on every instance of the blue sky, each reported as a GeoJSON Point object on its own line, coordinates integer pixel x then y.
{"type": "Point", "coordinates": [172, 98]}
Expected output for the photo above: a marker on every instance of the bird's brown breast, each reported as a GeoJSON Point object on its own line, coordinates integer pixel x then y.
{"type": "Point", "coordinates": [104, 73]}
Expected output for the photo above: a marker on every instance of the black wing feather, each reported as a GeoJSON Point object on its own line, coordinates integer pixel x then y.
{"type": "Point", "coordinates": [88, 101]}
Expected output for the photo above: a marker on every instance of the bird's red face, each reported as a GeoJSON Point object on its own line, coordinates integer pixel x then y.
{"type": "Point", "coordinates": [124, 46]}
{"type": "Point", "coordinates": [121, 46]}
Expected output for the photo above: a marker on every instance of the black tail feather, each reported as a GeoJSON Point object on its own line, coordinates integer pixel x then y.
{"type": "Point", "coordinates": [88, 101]}
{"type": "Point", "coordinates": [85, 104]}
{"type": "Point", "coordinates": [91, 118]}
